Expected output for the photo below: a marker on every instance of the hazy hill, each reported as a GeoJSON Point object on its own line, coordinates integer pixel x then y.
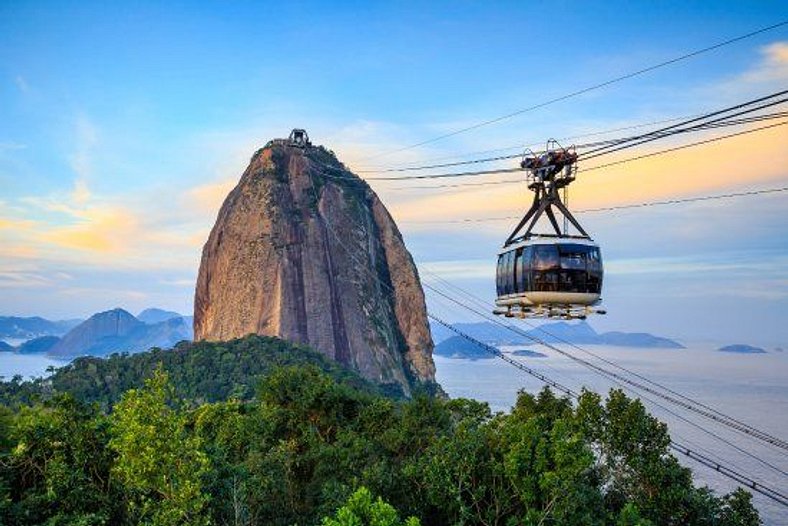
{"type": "Point", "coordinates": [118, 331]}
{"type": "Point", "coordinates": [741, 348]}
{"type": "Point", "coordinates": [153, 315]}
{"type": "Point", "coordinates": [97, 334]}
{"type": "Point", "coordinates": [4, 347]}
{"type": "Point", "coordinates": [17, 328]}
{"type": "Point", "coordinates": [558, 332]}
{"type": "Point", "coordinates": [38, 345]}
{"type": "Point", "coordinates": [459, 347]}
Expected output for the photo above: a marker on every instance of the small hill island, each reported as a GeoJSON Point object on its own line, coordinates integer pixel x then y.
{"type": "Point", "coordinates": [740, 348]}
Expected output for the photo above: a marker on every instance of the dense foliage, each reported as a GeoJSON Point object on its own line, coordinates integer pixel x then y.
{"type": "Point", "coordinates": [309, 449]}
{"type": "Point", "coordinates": [200, 372]}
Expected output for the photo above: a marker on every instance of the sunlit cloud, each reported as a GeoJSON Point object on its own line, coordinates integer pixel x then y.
{"type": "Point", "coordinates": [96, 229]}
{"type": "Point", "coordinates": [13, 251]}
{"type": "Point", "coordinates": [80, 194]}
{"type": "Point", "coordinates": [81, 160]}
{"type": "Point", "coordinates": [16, 224]}
{"type": "Point", "coordinates": [367, 144]}
{"type": "Point", "coordinates": [746, 160]}
{"type": "Point", "coordinates": [729, 264]}
{"type": "Point", "coordinates": [115, 294]}
{"type": "Point", "coordinates": [773, 66]}
{"type": "Point", "coordinates": [462, 269]}
{"type": "Point", "coordinates": [21, 279]}
{"type": "Point", "coordinates": [208, 197]}
{"type": "Point", "coordinates": [179, 282]}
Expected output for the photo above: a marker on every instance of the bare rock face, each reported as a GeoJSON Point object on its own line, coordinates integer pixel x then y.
{"type": "Point", "coordinates": [304, 250]}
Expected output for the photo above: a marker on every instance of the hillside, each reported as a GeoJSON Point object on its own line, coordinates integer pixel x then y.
{"type": "Point", "coordinates": [201, 372]}
{"type": "Point", "coordinates": [42, 344]}
{"type": "Point", "coordinates": [117, 330]}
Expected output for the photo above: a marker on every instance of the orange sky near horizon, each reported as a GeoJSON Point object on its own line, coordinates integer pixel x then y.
{"type": "Point", "coordinates": [754, 160]}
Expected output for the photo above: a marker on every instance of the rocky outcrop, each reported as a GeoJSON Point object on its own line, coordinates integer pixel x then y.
{"type": "Point", "coordinates": [304, 250]}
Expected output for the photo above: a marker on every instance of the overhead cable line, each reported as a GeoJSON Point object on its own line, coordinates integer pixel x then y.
{"type": "Point", "coordinates": [733, 474]}
{"type": "Point", "coordinates": [712, 415]}
{"type": "Point", "coordinates": [685, 146]}
{"type": "Point", "coordinates": [521, 147]}
{"type": "Point", "coordinates": [588, 89]}
{"type": "Point", "coordinates": [646, 204]}
{"type": "Point", "coordinates": [479, 302]}
{"type": "Point", "coordinates": [610, 143]}
{"type": "Point", "coordinates": [658, 134]}
{"type": "Point", "coordinates": [727, 123]}
{"type": "Point", "coordinates": [518, 169]}
{"type": "Point", "coordinates": [722, 115]}
{"type": "Point", "coordinates": [720, 467]}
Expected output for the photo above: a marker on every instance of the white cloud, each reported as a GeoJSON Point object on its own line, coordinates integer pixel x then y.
{"type": "Point", "coordinates": [460, 269]}
{"type": "Point", "coordinates": [11, 146]}
{"type": "Point", "coordinates": [728, 264]}
{"type": "Point", "coordinates": [86, 137]}
{"type": "Point", "coordinates": [22, 279]}
{"type": "Point", "coordinates": [22, 84]}
{"type": "Point", "coordinates": [179, 282]}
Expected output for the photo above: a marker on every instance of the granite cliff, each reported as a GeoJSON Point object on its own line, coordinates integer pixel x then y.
{"type": "Point", "coordinates": [304, 250]}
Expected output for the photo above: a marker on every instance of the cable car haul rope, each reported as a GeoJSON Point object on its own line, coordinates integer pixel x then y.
{"type": "Point", "coordinates": [721, 468]}
{"type": "Point", "coordinates": [559, 273]}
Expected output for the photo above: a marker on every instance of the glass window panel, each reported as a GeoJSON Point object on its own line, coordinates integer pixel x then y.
{"type": "Point", "coordinates": [518, 259]}
{"type": "Point", "coordinates": [510, 272]}
{"type": "Point", "coordinates": [499, 276]}
{"type": "Point", "coordinates": [545, 257]}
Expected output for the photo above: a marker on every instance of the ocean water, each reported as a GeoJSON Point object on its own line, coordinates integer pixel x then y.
{"type": "Point", "coordinates": [752, 388]}
{"type": "Point", "coordinates": [27, 365]}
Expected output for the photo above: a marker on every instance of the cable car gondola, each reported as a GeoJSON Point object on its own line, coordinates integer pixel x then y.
{"type": "Point", "coordinates": [551, 274]}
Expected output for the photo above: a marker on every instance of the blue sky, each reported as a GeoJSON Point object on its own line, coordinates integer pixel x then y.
{"type": "Point", "coordinates": [122, 128]}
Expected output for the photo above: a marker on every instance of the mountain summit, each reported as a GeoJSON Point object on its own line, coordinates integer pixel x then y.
{"type": "Point", "coordinates": [304, 250]}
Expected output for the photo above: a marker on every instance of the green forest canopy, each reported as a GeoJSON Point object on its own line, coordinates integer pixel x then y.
{"type": "Point", "coordinates": [314, 444]}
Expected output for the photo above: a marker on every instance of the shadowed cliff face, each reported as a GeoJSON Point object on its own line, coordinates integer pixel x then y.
{"type": "Point", "coordinates": [304, 250]}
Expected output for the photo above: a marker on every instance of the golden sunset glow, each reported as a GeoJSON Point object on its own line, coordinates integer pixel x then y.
{"type": "Point", "coordinates": [754, 159]}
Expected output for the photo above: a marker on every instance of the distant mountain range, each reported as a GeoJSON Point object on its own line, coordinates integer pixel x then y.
{"type": "Point", "coordinates": [15, 328]}
{"type": "Point", "coordinates": [559, 332]}
{"type": "Point", "coordinates": [104, 333]}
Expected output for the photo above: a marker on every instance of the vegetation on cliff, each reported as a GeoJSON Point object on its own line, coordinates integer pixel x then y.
{"type": "Point", "coordinates": [310, 447]}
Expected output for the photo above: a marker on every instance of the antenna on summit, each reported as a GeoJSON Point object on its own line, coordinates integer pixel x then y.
{"type": "Point", "coordinates": [299, 138]}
